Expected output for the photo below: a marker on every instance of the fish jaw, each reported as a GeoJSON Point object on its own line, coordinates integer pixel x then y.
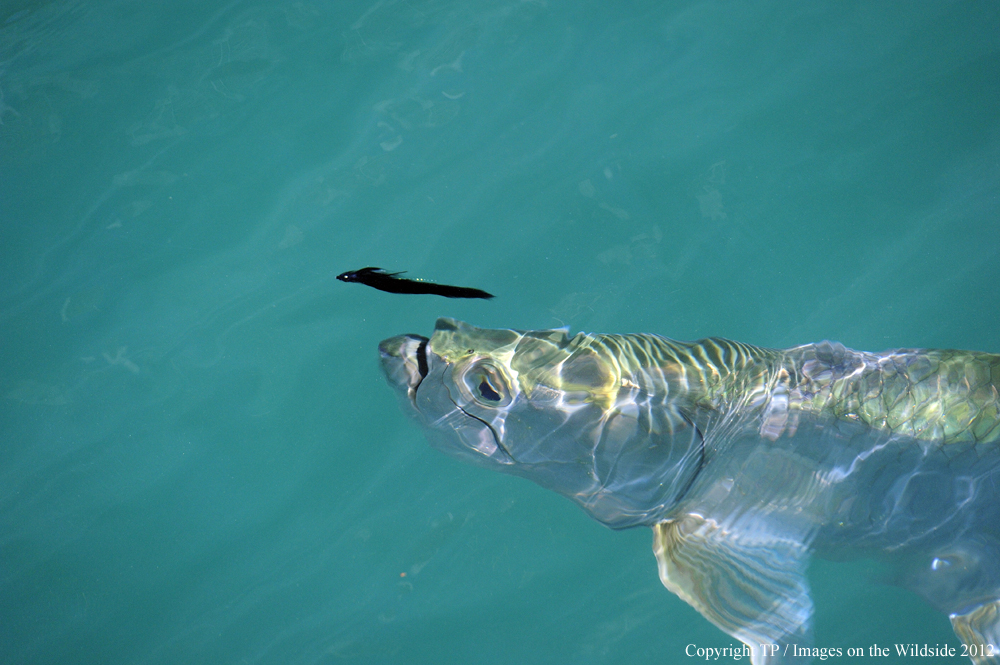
{"type": "Point", "coordinates": [400, 357]}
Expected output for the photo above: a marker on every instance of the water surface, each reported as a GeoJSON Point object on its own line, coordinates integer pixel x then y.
{"type": "Point", "coordinates": [201, 462]}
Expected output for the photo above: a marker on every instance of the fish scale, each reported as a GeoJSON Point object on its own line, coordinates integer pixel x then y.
{"type": "Point", "coordinates": [945, 396]}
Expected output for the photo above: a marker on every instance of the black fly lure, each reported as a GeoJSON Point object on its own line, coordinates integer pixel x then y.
{"type": "Point", "coordinates": [390, 282]}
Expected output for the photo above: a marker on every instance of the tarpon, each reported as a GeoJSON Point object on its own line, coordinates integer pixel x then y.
{"type": "Point", "coordinates": [744, 461]}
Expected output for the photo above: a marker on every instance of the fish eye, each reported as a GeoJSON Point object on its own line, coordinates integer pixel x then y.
{"type": "Point", "coordinates": [486, 385]}
{"type": "Point", "coordinates": [487, 392]}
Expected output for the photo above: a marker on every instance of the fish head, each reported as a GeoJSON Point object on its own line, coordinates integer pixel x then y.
{"type": "Point", "coordinates": [546, 406]}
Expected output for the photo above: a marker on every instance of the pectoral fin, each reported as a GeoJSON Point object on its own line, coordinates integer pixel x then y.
{"type": "Point", "coordinates": [979, 630]}
{"type": "Point", "coordinates": [752, 585]}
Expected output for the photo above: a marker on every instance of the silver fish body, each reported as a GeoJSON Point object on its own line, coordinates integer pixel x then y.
{"type": "Point", "coordinates": [744, 461]}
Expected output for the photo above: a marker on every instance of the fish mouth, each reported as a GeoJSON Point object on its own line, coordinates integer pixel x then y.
{"type": "Point", "coordinates": [404, 361]}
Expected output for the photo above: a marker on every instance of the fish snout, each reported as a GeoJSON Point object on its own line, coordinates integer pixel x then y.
{"type": "Point", "coordinates": [404, 361]}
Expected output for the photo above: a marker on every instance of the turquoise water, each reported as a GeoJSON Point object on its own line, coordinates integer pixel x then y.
{"type": "Point", "coordinates": [201, 462]}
